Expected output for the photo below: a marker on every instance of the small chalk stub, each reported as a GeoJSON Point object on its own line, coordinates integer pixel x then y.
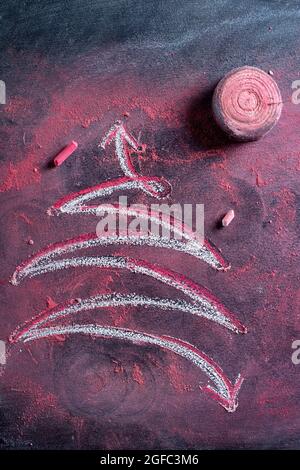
{"type": "Point", "coordinates": [65, 153]}
{"type": "Point", "coordinates": [247, 103]}
{"type": "Point", "coordinates": [228, 218]}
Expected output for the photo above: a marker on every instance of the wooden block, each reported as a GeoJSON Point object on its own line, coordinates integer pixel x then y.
{"type": "Point", "coordinates": [247, 103]}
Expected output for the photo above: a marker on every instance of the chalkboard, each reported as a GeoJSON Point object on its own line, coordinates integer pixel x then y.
{"type": "Point", "coordinates": [151, 376]}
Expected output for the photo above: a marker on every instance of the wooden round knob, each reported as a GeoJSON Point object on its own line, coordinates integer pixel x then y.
{"type": "Point", "coordinates": [247, 103]}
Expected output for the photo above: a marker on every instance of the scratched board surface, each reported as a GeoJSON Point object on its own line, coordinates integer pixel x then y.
{"type": "Point", "coordinates": [71, 69]}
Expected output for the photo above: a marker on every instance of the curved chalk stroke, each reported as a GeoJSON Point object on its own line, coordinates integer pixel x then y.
{"type": "Point", "coordinates": [201, 296]}
{"type": "Point", "coordinates": [115, 300]}
{"type": "Point", "coordinates": [91, 240]}
{"type": "Point", "coordinates": [74, 203]}
{"type": "Point", "coordinates": [222, 391]}
{"type": "Point", "coordinates": [121, 137]}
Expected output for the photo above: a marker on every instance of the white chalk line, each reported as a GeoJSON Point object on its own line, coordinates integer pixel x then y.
{"type": "Point", "coordinates": [76, 205]}
{"type": "Point", "coordinates": [119, 300]}
{"type": "Point", "coordinates": [70, 246]}
{"type": "Point", "coordinates": [122, 138]}
{"type": "Point", "coordinates": [162, 276]}
{"type": "Point", "coordinates": [222, 387]}
{"type": "Point", "coordinates": [192, 243]}
{"type": "Point", "coordinates": [118, 133]}
{"type": "Point", "coordinates": [120, 151]}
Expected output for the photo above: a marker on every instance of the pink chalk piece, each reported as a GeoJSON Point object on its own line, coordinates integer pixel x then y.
{"type": "Point", "coordinates": [228, 218]}
{"type": "Point", "coordinates": [65, 153]}
{"type": "Point", "coordinates": [247, 103]}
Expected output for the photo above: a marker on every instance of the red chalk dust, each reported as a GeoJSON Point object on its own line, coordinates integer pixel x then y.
{"type": "Point", "coordinates": [50, 302]}
{"type": "Point", "coordinates": [65, 153]}
{"type": "Point", "coordinates": [137, 375]}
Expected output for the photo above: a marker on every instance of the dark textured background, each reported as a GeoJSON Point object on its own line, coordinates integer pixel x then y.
{"type": "Point", "coordinates": [72, 68]}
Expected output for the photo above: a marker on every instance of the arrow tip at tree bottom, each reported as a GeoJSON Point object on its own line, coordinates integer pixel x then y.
{"type": "Point", "coordinates": [230, 404]}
